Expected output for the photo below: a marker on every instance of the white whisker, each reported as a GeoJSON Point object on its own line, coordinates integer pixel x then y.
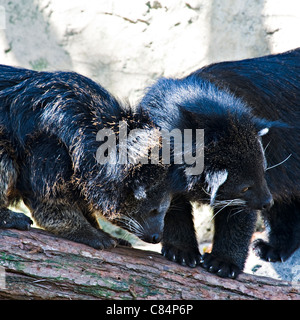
{"type": "Point", "coordinates": [237, 212]}
{"type": "Point", "coordinates": [233, 202]}
{"type": "Point", "coordinates": [266, 147]}
{"type": "Point", "coordinates": [278, 164]}
{"type": "Point", "coordinates": [234, 213]}
{"type": "Point", "coordinates": [209, 194]}
{"type": "Point", "coordinates": [133, 225]}
{"type": "Point", "coordinates": [228, 204]}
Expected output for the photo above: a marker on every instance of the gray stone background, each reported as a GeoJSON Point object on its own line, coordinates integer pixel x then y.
{"type": "Point", "coordinates": [125, 45]}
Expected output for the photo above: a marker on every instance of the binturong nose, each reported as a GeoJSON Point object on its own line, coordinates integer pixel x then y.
{"type": "Point", "coordinates": [264, 198]}
{"type": "Point", "coordinates": [156, 238]}
{"type": "Point", "coordinates": [261, 201]}
{"type": "Point", "coordinates": [268, 203]}
{"type": "Point", "coordinates": [152, 238]}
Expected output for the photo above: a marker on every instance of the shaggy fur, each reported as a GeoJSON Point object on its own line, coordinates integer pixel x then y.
{"type": "Point", "coordinates": [271, 88]}
{"type": "Point", "coordinates": [49, 123]}
{"type": "Point", "coordinates": [249, 111]}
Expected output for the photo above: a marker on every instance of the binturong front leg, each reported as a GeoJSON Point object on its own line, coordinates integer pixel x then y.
{"type": "Point", "coordinates": [15, 220]}
{"type": "Point", "coordinates": [8, 179]}
{"type": "Point", "coordinates": [67, 220]}
{"type": "Point", "coordinates": [233, 231]}
{"type": "Point", "coordinates": [179, 239]}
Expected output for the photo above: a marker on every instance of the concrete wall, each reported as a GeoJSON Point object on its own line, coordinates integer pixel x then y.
{"type": "Point", "coordinates": [126, 44]}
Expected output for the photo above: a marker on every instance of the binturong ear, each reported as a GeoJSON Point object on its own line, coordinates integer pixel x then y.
{"type": "Point", "coordinates": [262, 132]}
{"type": "Point", "coordinates": [263, 126]}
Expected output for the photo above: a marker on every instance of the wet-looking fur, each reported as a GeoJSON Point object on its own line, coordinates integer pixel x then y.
{"type": "Point", "coordinates": [48, 143]}
{"type": "Point", "coordinates": [250, 114]}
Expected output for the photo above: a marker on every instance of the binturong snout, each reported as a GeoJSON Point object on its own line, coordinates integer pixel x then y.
{"type": "Point", "coordinates": [153, 238]}
{"type": "Point", "coordinates": [262, 199]}
{"type": "Point", "coordinates": [268, 203]}
{"type": "Point", "coordinates": [154, 226]}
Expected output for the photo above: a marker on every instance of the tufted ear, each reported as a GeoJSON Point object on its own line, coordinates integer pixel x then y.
{"type": "Point", "coordinates": [262, 132]}
{"type": "Point", "coordinates": [263, 126]}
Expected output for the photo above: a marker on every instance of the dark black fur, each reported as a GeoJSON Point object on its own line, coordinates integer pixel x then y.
{"type": "Point", "coordinates": [236, 103]}
{"type": "Point", "coordinates": [49, 122]}
{"type": "Point", "coordinates": [271, 87]}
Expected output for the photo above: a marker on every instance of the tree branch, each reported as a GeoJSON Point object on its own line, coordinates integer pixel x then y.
{"type": "Point", "coordinates": [41, 266]}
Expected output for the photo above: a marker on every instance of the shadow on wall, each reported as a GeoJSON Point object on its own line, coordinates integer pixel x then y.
{"type": "Point", "coordinates": [125, 53]}
{"type": "Point", "coordinates": [31, 41]}
{"type": "Point", "coordinates": [126, 47]}
{"type": "Point", "coordinates": [237, 30]}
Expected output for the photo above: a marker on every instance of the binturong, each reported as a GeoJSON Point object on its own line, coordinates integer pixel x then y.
{"type": "Point", "coordinates": [51, 157]}
{"type": "Point", "coordinates": [249, 111]}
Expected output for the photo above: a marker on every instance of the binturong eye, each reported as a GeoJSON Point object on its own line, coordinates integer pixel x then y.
{"type": "Point", "coordinates": [244, 189]}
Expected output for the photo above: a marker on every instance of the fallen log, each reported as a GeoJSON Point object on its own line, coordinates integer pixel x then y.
{"type": "Point", "coordinates": [37, 265]}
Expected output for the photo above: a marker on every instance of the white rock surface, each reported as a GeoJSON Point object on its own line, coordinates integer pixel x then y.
{"type": "Point", "coordinates": [288, 270]}
{"type": "Point", "coordinates": [126, 45]}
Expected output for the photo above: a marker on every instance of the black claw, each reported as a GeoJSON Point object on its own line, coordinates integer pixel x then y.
{"type": "Point", "coordinates": [267, 252]}
{"type": "Point", "coordinates": [15, 220]}
{"type": "Point", "coordinates": [220, 267]}
{"type": "Point", "coordinates": [190, 258]}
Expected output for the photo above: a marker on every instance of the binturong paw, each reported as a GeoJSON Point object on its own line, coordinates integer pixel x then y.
{"type": "Point", "coordinates": [219, 266]}
{"type": "Point", "coordinates": [15, 220]}
{"type": "Point", "coordinates": [101, 241]}
{"type": "Point", "coordinates": [94, 238]}
{"type": "Point", "coordinates": [188, 257]}
{"type": "Point", "coordinates": [267, 252]}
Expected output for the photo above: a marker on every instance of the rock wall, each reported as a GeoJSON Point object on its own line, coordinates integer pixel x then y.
{"type": "Point", "coordinates": [126, 45]}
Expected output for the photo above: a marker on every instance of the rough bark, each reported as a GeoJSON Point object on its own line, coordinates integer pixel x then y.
{"type": "Point", "coordinates": [41, 266]}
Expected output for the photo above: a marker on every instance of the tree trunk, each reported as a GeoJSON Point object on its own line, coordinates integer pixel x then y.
{"type": "Point", "coordinates": [37, 265]}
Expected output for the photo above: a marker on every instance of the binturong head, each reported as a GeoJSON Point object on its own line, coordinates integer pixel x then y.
{"type": "Point", "coordinates": [146, 203]}
{"type": "Point", "coordinates": [235, 174]}
{"type": "Point", "coordinates": [234, 157]}
{"type": "Point", "coordinates": [235, 163]}
{"type": "Point", "coordinates": [129, 184]}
